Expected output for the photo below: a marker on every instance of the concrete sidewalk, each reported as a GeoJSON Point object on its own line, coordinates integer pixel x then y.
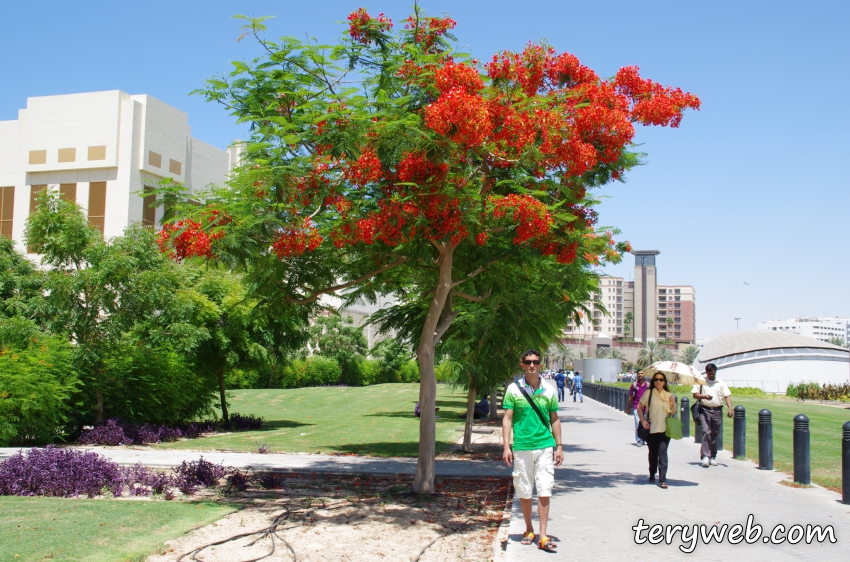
{"type": "Point", "coordinates": [602, 491]}
{"type": "Point", "coordinates": [167, 458]}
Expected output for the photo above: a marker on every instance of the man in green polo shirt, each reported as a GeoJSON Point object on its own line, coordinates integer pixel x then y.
{"type": "Point", "coordinates": [536, 445]}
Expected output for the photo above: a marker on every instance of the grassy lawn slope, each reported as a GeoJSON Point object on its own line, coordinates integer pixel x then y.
{"type": "Point", "coordinates": [95, 530]}
{"type": "Point", "coordinates": [372, 420]}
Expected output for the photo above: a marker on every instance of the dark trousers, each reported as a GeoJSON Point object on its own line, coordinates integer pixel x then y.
{"type": "Point", "coordinates": [657, 443]}
{"type": "Point", "coordinates": [709, 422]}
{"type": "Point", "coordinates": [560, 393]}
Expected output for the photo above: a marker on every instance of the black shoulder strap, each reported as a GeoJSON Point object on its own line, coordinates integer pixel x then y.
{"type": "Point", "coordinates": [534, 406]}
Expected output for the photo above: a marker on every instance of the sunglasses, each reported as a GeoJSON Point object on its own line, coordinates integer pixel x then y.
{"type": "Point", "coordinates": [531, 362]}
{"type": "Point", "coordinates": [658, 380]}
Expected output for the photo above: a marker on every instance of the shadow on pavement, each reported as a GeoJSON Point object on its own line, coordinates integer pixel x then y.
{"type": "Point", "coordinates": [573, 480]}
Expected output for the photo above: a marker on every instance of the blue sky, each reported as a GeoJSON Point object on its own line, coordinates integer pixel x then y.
{"type": "Point", "coordinates": [752, 188]}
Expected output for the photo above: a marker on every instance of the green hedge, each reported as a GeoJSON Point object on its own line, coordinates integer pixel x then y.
{"type": "Point", "coordinates": [312, 371]}
{"type": "Point", "coordinates": [37, 384]}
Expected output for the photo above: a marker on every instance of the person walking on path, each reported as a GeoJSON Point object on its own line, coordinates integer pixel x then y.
{"type": "Point", "coordinates": [636, 390]}
{"type": "Point", "coordinates": [577, 381]}
{"type": "Point", "coordinates": [531, 415]}
{"type": "Point", "coordinates": [657, 411]}
{"type": "Point", "coordinates": [561, 381]}
{"type": "Point", "coordinates": [710, 398]}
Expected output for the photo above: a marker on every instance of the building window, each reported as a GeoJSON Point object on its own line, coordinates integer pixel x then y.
{"type": "Point", "coordinates": [38, 156]}
{"type": "Point", "coordinates": [154, 159]}
{"type": "Point", "coordinates": [678, 334]}
{"type": "Point", "coordinates": [677, 291]}
{"type": "Point", "coordinates": [97, 205]}
{"type": "Point", "coordinates": [175, 167]}
{"type": "Point", "coordinates": [68, 192]}
{"type": "Point", "coordinates": [67, 154]}
{"type": "Point", "coordinates": [7, 210]}
{"type": "Point", "coordinates": [35, 191]}
{"type": "Point", "coordinates": [148, 210]}
{"type": "Point", "coordinates": [97, 152]}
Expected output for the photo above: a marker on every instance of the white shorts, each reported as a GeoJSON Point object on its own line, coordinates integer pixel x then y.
{"type": "Point", "coordinates": [534, 467]}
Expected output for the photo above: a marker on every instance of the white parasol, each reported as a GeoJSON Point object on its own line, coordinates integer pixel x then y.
{"type": "Point", "coordinates": [676, 372]}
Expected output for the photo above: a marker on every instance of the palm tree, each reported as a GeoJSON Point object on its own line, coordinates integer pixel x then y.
{"type": "Point", "coordinates": [689, 354]}
{"type": "Point", "coordinates": [562, 354]}
{"type": "Point", "coordinates": [627, 325]}
{"type": "Point", "coordinates": [651, 352]}
{"type": "Point", "coordinates": [601, 352]}
{"type": "Point", "coordinates": [616, 354]}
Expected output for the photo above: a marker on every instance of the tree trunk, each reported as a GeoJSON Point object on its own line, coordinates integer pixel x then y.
{"type": "Point", "coordinates": [423, 481]}
{"type": "Point", "coordinates": [494, 403]}
{"type": "Point", "coordinates": [221, 394]}
{"type": "Point", "coordinates": [98, 416]}
{"type": "Point", "coordinates": [470, 415]}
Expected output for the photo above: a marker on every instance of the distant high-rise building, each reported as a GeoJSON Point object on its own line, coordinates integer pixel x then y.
{"type": "Point", "coordinates": [822, 328]}
{"type": "Point", "coordinates": [660, 312]}
{"type": "Point", "coordinates": [646, 295]}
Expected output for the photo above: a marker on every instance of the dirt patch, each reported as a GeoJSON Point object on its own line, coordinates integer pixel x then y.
{"type": "Point", "coordinates": [485, 446]}
{"type": "Point", "coordinates": [355, 518]}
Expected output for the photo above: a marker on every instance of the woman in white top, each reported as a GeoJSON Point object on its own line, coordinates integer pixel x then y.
{"type": "Point", "coordinates": [661, 406]}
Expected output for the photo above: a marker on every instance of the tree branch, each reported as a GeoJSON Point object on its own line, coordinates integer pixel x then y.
{"type": "Point", "coordinates": [472, 297]}
{"type": "Point", "coordinates": [473, 274]}
{"type": "Point", "coordinates": [447, 316]}
{"type": "Point", "coordinates": [360, 279]}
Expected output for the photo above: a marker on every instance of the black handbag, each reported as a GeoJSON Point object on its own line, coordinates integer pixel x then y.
{"type": "Point", "coordinates": [696, 409]}
{"type": "Point", "coordinates": [642, 432]}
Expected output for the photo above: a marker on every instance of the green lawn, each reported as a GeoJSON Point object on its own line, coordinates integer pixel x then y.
{"type": "Point", "coordinates": [95, 530]}
{"type": "Point", "coordinates": [373, 420]}
{"type": "Point", "coordinates": [824, 424]}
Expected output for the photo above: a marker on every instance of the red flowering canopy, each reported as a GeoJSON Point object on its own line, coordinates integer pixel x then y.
{"type": "Point", "coordinates": [391, 154]}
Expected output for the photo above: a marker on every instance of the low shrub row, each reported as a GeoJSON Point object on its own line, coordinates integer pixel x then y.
{"type": "Point", "coordinates": [325, 371]}
{"type": "Point", "coordinates": [68, 473]}
{"type": "Point", "coordinates": [815, 391]}
{"type": "Point", "coordinates": [119, 432]}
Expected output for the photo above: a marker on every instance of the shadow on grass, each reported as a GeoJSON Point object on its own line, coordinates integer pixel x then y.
{"type": "Point", "coordinates": [281, 424]}
{"type": "Point", "coordinates": [441, 416]}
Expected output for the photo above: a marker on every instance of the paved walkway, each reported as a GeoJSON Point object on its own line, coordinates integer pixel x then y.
{"type": "Point", "coordinates": [166, 458]}
{"type": "Point", "coordinates": [602, 492]}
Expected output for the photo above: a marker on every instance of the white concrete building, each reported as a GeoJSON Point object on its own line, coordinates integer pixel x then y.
{"type": "Point", "coordinates": [100, 149]}
{"type": "Point", "coordinates": [821, 329]}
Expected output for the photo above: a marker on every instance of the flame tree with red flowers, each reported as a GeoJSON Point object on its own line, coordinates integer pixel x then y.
{"type": "Point", "coordinates": [391, 163]}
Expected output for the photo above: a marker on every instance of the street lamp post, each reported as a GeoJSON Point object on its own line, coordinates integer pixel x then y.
{"type": "Point", "coordinates": [736, 323]}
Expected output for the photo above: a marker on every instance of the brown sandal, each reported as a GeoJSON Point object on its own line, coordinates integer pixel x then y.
{"type": "Point", "coordinates": [663, 485]}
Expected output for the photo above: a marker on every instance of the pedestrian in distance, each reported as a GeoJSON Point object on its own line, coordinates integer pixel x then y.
{"type": "Point", "coordinates": [531, 416]}
{"type": "Point", "coordinates": [653, 409]}
{"type": "Point", "coordinates": [636, 390]}
{"type": "Point", "coordinates": [577, 382]}
{"type": "Point", "coordinates": [561, 381]}
{"type": "Point", "coordinates": [710, 397]}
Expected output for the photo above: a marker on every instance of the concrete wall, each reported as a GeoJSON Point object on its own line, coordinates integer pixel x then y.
{"type": "Point", "coordinates": [595, 370]}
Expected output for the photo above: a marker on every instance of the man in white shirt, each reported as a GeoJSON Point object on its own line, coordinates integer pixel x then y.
{"type": "Point", "coordinates": [711, 397]}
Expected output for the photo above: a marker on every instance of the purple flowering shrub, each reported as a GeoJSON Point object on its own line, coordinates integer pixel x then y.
{"type": "Point", "coordinates": [59, 472]}
{"type": "Point", "coordinates": [118, 432]}
{"type": "Point", "coordinates": [189, 476]}
{"type": "Point", "coordinates": [237, 481]}
{"type": "Point", "coordinates": [271, 481]}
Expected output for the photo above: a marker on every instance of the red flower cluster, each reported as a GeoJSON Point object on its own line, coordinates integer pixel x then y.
{"type": "Point", "coordinates": [427, 30]}
{"type": "Point", "coordinates": [530, 215]}
{"type": "Point", "coordinates": [538, 68]}
{"type": "Point", "coordinates": [460, 116]}
{"type": "Point", "coordinates": [363, 28]}
{"type": "Point", "coordinates": [185, 239]}
{"type": "Point", "coordinates": [296, 241]}
{"type": "Point", "coordinates": [366, 169]}
{"type": "Point", "coordinates": [416, 168]}
{"type": "Point", "coordinates": [564, 253]}
{"type": "Point", "coordinates": [453, 76]}
{"type": "Point", "coordinates": [654, 104]}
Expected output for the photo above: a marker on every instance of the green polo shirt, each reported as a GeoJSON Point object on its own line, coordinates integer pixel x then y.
{"type": "Point", "coordinates": [529, 432]}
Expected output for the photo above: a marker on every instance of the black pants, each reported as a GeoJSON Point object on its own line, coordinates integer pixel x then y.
{"type": "Point", "coordinates": [710, 423]}
{"type": "Point", "coordinates": [657, 443]}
